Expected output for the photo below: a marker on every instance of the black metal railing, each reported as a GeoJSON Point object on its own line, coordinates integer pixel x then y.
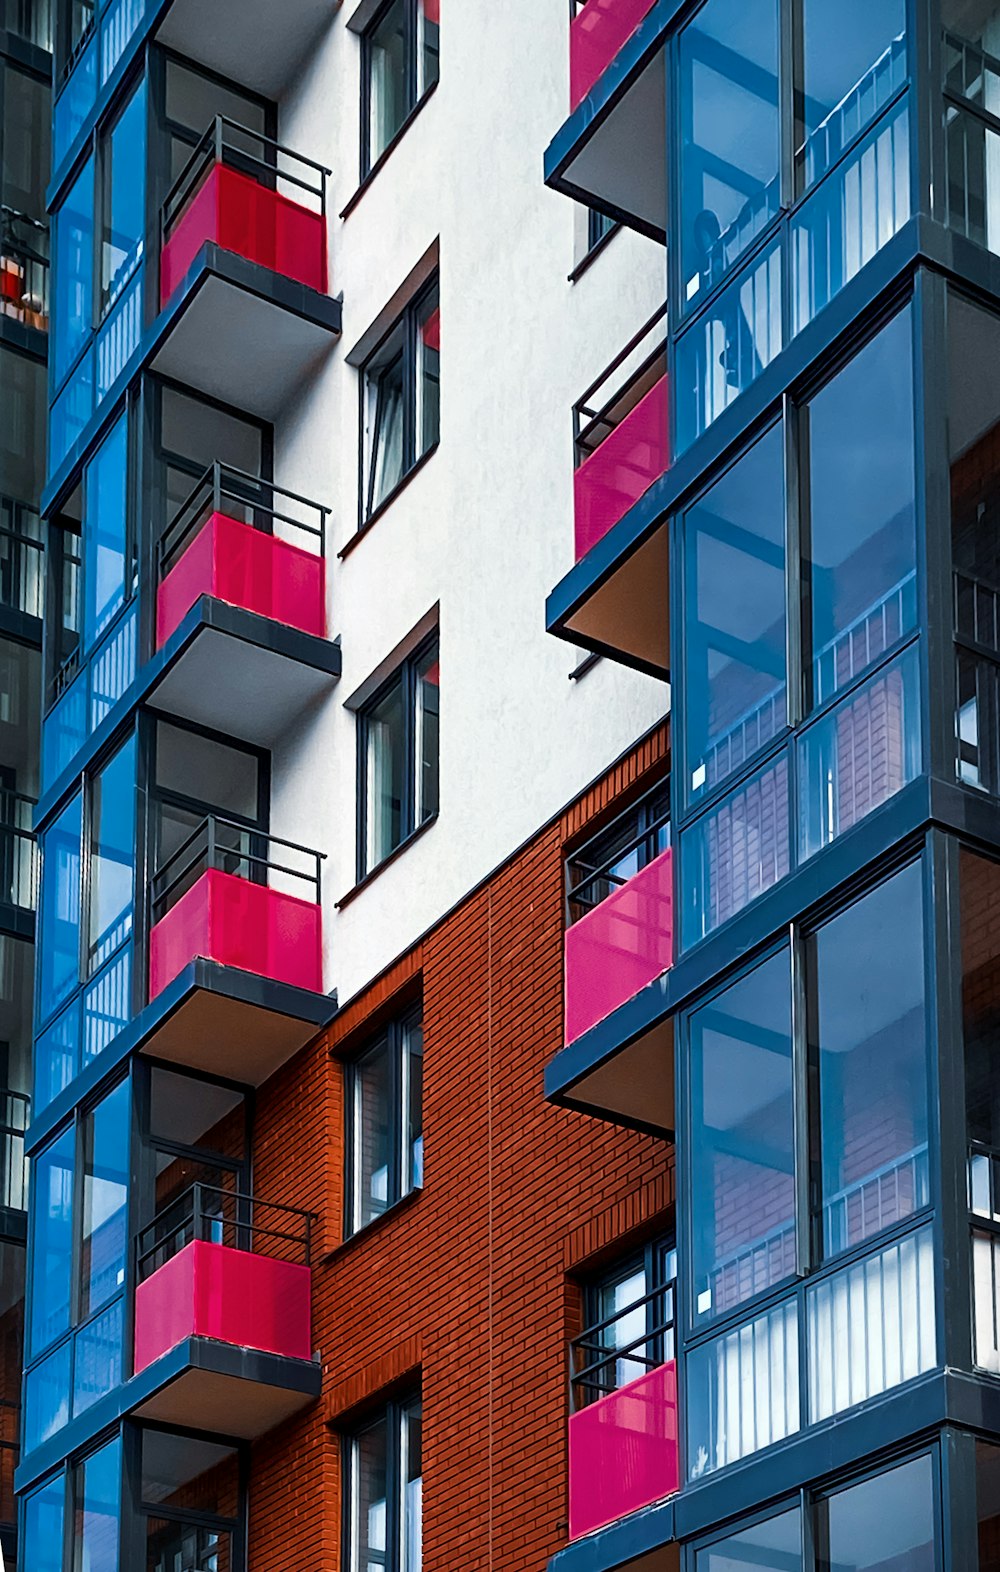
{"type": "Point", "coordinates": [239, 849]}
{"type": "Point", "coordinates": [617, 852]}
{"type": "Point", "coordinates": [250, 499]}
{"type": "Point", "coordinates": [19, 856]}
{"type": "Point", "coordinates": [266, 161]}
{"type": "Point", "coordinates": [226, 1217]}
{"type": "Point", "coordinates": [24, 268]}
{"type": "Point", "coordinates": [15, 1115]}
{"type": "Point", "coordinates": [602, 1359]}
{"type": "Point", "coordinates": [22, 558]}
{"type": "Point", "coordinates": [633, 372]}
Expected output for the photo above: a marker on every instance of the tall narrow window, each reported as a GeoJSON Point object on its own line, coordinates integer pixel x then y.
{"type": "Point", "coordinates": [59, 959]}
{"type": "Point", "coordinates": [399, 744]}
{"type": "Point", "coordinates": [74, 273]}
{"type": "Point", "coordinates": [123, 205]}
{"type": "Point", "coordinates": [399, 65]}
{"type": "Point", "coordinates": [384, 1483]}
{"type": "Point", "coordinates": [112, 855]}
{"type": "Point", "coordinates": [400, 392]}
{"type": "Point", "coordinates": [853, 60]}
{"type": "Point", "coordinates": [385, 1140]}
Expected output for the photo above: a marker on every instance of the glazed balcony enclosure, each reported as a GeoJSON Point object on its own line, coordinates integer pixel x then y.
{"type": "Point", "coordinates": [223, 1315]}
{"type": "Point", "coordinates": [623, 1425]}
{"type": "Point", "coordinates": [621, 432]}
{"type": "Point", "coordinates": [234, 905]}
{"type": "Point", "coordinates": [617, 104]}
{"type": "Point", "coordinates": [243, 259]}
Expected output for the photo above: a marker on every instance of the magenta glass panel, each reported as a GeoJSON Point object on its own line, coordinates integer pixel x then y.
{"type": "Point", "coordinates": [244, 567]}
{"type": "Point", "coordinates": [250, 926]}
{"type": "Point", "coordinates": [597, 33]}
{"type": "Point", "coordinates": [623, 1451]}
{"type": "Point", "coordinates": [209, 1290]}
{"type": "Point", "coordinates": [620, 946]}
{"type": "Point", "coordinates": [625, 465]}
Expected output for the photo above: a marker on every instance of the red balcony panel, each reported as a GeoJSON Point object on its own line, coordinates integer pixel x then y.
{"type": "Point", "coordinates": [249, 926]}
{"type": "Point", "coordinates": [247, 568]}
{"type": "Point", "coordinates": [209, 1290]}
{"type": "Point", "coordinates": [257, 223]}
{"type": "Point", "coordinates": [625, 465]}
{"type": "Point", "coordinates": [623, 1451]}
{"type": "Point", "coordinates": [597, 33]}
{"type": "Point", "coordinates": [620, 946]}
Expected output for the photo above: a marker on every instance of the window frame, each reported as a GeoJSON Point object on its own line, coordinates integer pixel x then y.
{"type": "Point", "coordinates": [407, 322]}
{"type": "Point", "coordinates": [404, 675]}
{"type": "Point", "coordinates": [396, 1039]}
{"type": "Point", "coordinates": [414, 97]}
{"type": "Point", "coordinates": [393, 1412]}
{"type": "Point", "coordinates": [652, 1260]}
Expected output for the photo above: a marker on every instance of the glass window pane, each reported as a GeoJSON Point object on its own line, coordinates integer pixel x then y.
{"type": "Point", "coordinates": [734, 624]}
{"type": "Point", "coordinates": [881, 1525]}
{"type": "Point", "coordinates": [743, 1140]}
{"type": "Point", "coordinates": [59, 961]}
{"type": "Point", "coordinates": [22, 430]}
{"type": "Point", "coordinates": [428, 33]}
{"type": "Point", "coordinates": [971, 60]}
{"type": "Point", "coordinates": [428, 373]}
{"type": "Point", "coordinates": [46, 1397]}
{"type": "Point", "coordinates": [862, 512]}
{"type": "Point", "coordinates": [52, 1240]}
{"type": "Point", "coordinates": [731, 135]}
{"type": "Point", "coordinates": [124, 200]}
{"type": "Point", "coordinates": [42, 1543]}
{"type": "Point", "coordinates": [74, 273]}
{"type": "Point", "coordinates": [97, 1358]}
{"type": "Point", "coordinates": [414, 1055]}
{"type": "Point", "coordinates": [743, 1390]}
{"type": "Point", "coordinates": [384, 727]}
{"type": "Point", "coordinates": [388, 87]}
{"type": "Point", "coordinates": [735, 852]}
{"type": "Point", "coordinates": [372, 1134]}
{"type": "Point", "coordinates": [105, 1200]}
{"type": "Point", "coordinates": [428, 698]}
{"type": "Point", "coordinates": [384, 420]}
{"type": "Point", "coordinates": [853, 61]}
{"type": "Point", "coordinates": [370, 1466]}
{"type": "Point", "coordinates": [865, 986]}
{"type": "Point", "coordinates": [616, 1300]}
{"type": "Point", "coordinates": [411, 1455]}
{"type": "Point", "coordinates": [97, 1506]}
{"type": "Point", "coordinates": [112, 854]}
{"type": "Point", "coordinates": [105, 533]}
{"type": "Point", "coordinates": [773, 1546]}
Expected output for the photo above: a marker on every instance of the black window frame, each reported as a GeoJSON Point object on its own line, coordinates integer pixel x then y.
{"type": "Point", "coordinates": [591, 865]}
{"type": "Point", "coordinates": [393, 1411]}
{"type": "Point", "coordinates": [414, 97]}
{"type": "Point", "coordinates": [396, 1039]}
{"type": "Point", "coordinates": [405, 675]}
{"type": "Point", "coordinates": [406, 326]}
{"type": "Point", "coordinates": [661, 1314]}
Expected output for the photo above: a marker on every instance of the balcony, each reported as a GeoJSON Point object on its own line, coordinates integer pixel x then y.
{"type": "Point", "coordinates": [623, 1429]}
{"type": "Point", "coordinates": [622, 449]}
{"type": "Point", "coordinates": [24, 271]}
{"type": "Point", "coordinates": [243, 261]}
{"type": "Point", "coordinates": [235, 953]}
{"type": "Point", "coordinates": [618, 99]}
{"type": "Point", "coordinates": [620, 941]}
{"type": "Point", "coordinates": [241, 607]}
{"type": "Point", "coordinates": [223, 1314]}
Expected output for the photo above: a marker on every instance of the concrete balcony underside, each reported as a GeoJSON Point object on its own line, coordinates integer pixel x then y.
{"type": "Point", "coordinates": [253, 42]}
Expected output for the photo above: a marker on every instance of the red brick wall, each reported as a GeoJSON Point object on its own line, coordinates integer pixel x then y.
{"type": "Point", "coordinates": [468, 1282]}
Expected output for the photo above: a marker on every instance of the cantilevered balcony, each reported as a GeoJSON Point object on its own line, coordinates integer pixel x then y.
{"type": "Point", "coordinates": [243, 261]}
{"type": "Point", "coordinates": [223, 1314]}
{"type": "Point", "coordinates": [241, 607]}
{"type": "Point", "coordinates": [235, 952]}
{"type": "Point", "coordinates": [623, 1430]}
{"type": "Point", "coordinates": [622, 449]}
{"type": "Point", "coordinates": [598, 31]}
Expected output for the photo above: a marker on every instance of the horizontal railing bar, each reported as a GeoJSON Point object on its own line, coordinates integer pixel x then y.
{"type": "Point", "coordinates": [622, 355]}
{"type": "Point", "coordinates": [636, 1304]}
{"type": "Point", "coordinates": [212, 142]}
{"type": "Point", "coordinates": [604, 872]}
{"type": "Point", "coordinates": [619, 818]}
{"type": "Point", "coordinates": [598, 418]}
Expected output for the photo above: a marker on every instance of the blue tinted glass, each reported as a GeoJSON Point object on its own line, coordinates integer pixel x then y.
{"type": "Point", "coordinates": [74, 265]}
{"type": "Point", "coordinates": [124, 197]}
{"type": "Point", "coordinates": [56, 1057]}
{"type": "Point", "coordinates": [734, 616]}
{"type": "Point", "coordinates": [44, 1514]}
{"type": "Point", "coordinates": [97, 1508]}
{"type": "Point", "coordinates": [105, 1200]}
{"type": "Point", "coordinates": [726, 349]}
{"type": "Point", "coordinates": [59, 947]}
{"type": "Point", "coordinates": [862, 545]}
{"type": "Point", "coordinates": [51, 1240]}
{"type": "Point", "coordinates": [112, 855]}
{"type": "Point", "coordinates": [46, 1397]}
{"type": "Point", "coordinates": [882, 1523]}
{"type": "Point", "coordinates": [772, 1546]}
{"type": "Point", "coordinates": [730, 151]}
{"type": "Point", "coordinates": [74, 103]}
{"type": "Point", "coordinates": [104, 531]}
{"type": "Point", "coordinates": [742, 1180]}
{"type": "Point", "coordinates": [853, 61]}
{"type": "Point", "coordinates": [97, 1358]}
{"type": "Point", "coordinates": [735, 851]}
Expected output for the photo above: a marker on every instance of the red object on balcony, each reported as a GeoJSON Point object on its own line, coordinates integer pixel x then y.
{"type": "Point", "coordinates": [247, 568]}
{"type": "Point", "coordinates": [257, 223]}
{"type": "Point", "coordinates": [625, 465]}
{"type": "Point", "coordinates": [597, 33]}
{"type": "Point", "coordinates": [620, 946]}
{"type": "Point", "coordinates": [623, 1451]}
{"type": "Point", "coordinates": [237, 923]}
{"type": "Point", "coordinates": [209, 1290]}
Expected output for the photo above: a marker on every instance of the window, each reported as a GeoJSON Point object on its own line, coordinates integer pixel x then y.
{"type": "Point", "coordinates": [630, 1315]}
{"type": "Point", "coordinates": [772, 1546]}
{"type": "Point", "coordinates": [74, 273]}
{"type": "Point", "coordinates": [398, 753]}
{"type": "Point", "coordinates": [123, 198]}
{"type": "Point", "coordinates": [400, 404]}
{"type": "Point", "coordinates": [853, 60]}
{"type": "Point", "coordinates": [385, 1131]}
{"type": "Point", "coordinates": [618, 852]}
{"type": "Point", "coordinates": [399, 66]}
{"type": "Point", "coordinates": [190, 1502]}
{"type": "Point", "coordinates": [44, 1519]}
{"type": "Point", "coordinates": [97, 1510]}
{"type": "Point", "coordinates": [383, 1488]}
{"type": "Point", "coordinates": [599, 226]}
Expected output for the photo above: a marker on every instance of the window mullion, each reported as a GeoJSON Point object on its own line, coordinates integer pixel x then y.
{"type": "Point", "coordinates": [802, 1123]}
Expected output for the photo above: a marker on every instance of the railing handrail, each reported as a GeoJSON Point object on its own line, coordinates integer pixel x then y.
{"type": "Point", "coordinates": [208, 826]}
{"type": "Point", "coordinates": [211, 481]}
{"type": "Point", "coordinates": [584, 418]}
{"type": "Point", "coordinates": [649, 830]}
{"type": "Point", "coordinates": [212, 147]}
{"type": "Point", "coordinates": [586, 1342]}
{"type": "Point", "coordinates": [190, 1205]}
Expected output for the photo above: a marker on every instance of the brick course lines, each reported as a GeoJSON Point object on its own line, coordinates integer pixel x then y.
{"type": "Point", "coordinates": [469, 1282]}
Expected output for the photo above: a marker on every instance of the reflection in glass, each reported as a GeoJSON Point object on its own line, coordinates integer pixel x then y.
{"type": "Point", "coordinates": [413, 1068]}
{"type": "Point", "coordinates": [883, 1524]}
{"type": "Point", "coordinates": [385, 766]}
{"type": "Point", "coordinates": [97, 1357]}
{"type": "Point", "coordinates": [742, 1143]}
{"type": "Point", "coordinates": [971, 62]}
{"type": "Point", "coordinates": [74, 273]}
{"type": "Point", "coordinates": [428, 711]}
{"type": "Point", "coordinates": [772, 1546]}
{"type": "Point", "coordinates": [124, 197]}
{"type": "Point", "coordinates": [428, 373]}
{"type": "Point", "coordinates": [388, 96]}
{"type": "Point", "coordinates": [112, 854]}
{"type": "Point", "coordinates": [96, 1510]}
{"type": "Point", "coordinates": [726, 349]}
{"type": "Point", "coordinates": [743, 1390]}
{"type": "Point", "coordinates": [105, 1200]}
{"type": "Point", "coordinates": [371, 1479]}
{"type": "Point", "coordinates": [988, 1505]}
{"type": "Point", "coordinates": [59, 959]}
{"type": "Point", "coordinates": [734, 624]}
{"type": "Point", "coordinates": [853, 61]}
{"type": "Point", "coordinates": [52, 1240]}
{"type": "Point", "coordinates": [384, 398]}
{"type": "Point", "coordinates": [42, 1542]}
{"type": "Point", "coordinates": [615, 1303]}
{"type": "Point", "coordinates": [105, 533]}
{"type": "Point", "coordinates": [46, 1397]}
{"type": "Point", "coordinates": [411, 1479]}
{"type": "Point", "coordinates": [735, 852]}
{"type": "Point", "coordinates": [372, 1133]}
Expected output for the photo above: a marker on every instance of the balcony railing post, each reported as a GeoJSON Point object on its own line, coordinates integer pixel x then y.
{"type": "Point", "coordinates": [198, 1212]}
{"type": "Point", "coordinates": [210, 846]}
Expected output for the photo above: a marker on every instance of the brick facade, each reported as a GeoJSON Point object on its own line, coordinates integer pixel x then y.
{"type": "Point", "coordinates": [469, 1283]}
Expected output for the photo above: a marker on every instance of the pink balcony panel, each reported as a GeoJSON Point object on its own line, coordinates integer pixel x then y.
{"type": "Point", "coordinates": [247, 568]}
{"type": "Point", "coordinates": [620, 946]}
{"type": "Point", "coordinates": [623, 1451]}
{"type": "Point", "coordinates": [208, 1290]}
{"type": "Point", "coordinates": [250, 926]}
{"type": "Point", "coordinates": [625, 465]}
{"type": "Point", "coordinates": [257, 223]}
{"type": "Point", "coordinates": [598, 32]}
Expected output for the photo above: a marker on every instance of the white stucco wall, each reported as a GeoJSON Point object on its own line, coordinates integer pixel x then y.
{"type": "Point", "coordinates": [486, 528]}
